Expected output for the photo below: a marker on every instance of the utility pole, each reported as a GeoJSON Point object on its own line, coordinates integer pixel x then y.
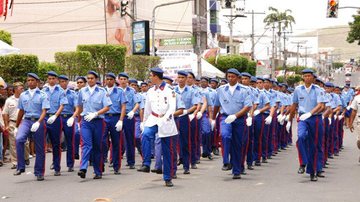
{"type": "Point", "coordinates": [253, 32]}
{"type": "Point", "coordinates": [306, 49]}
{"type": "Point", "coordinates": [297, 49]}
{"type": "Point", "coordinates": [273, 68]}
{"type": "Point", "coordinates": [285, 54]}
{"type": "Point", "coordinates": [106, 35]}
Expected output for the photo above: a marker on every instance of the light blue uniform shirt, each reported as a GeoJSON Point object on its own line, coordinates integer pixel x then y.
{"type": "Point", "coordinates": [93, 102]}
{"type": "Point", "coordinates": [117, 98]}
{"type": "Point", "coordinates": [71, 97]}
{"type": "Point", "coordinates": [307, 101]}
{"type": "Point", "coordinates": [205, 92]}
{"type": "Point", "coordinates": [33, 106]}
{"type": "Point", "coordinates": [189, 96]}
{"type": "Point", "coordinates": [57, 98]}
{"type": "Point", "coordinates": [262, 99]}
{"type": "Point", "coordinates": [232, 103]}
{"type": "Point", "coordinates": [131, 98]}
{"type": "Point", "coordinates": [337, 100]}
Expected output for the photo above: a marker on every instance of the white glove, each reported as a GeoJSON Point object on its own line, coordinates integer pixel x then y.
{"type": "Point", "coordinates": [282, 120]}
{"type": "Point", "coordinates": [119, 126]}
{"type": "Point", "coordinates": [15, 131]}
{"type": "Point", "coordinates": [340, 117]}
{"type": "Point", "coordinates": [185, 112]}
{"type": "Point", "coordinates": [278, 111]}
{"type": "Point", "coordinates": [348, 107]}
{"type": "Point", "coordinates": [230, 119]}
{"type": "Point", "coordinates": [335, 117]}
{"type": "Point", "coordinates": [212, 123]}
{"type": "Point", "coordinates": [70, 122]}
{"type": "Point", "coordinates": [130, 115]}
{"type": "Point", "coordinates": [35, 127]}
{"type": "Point", "coordinates": [51, 119]}
{"type": "Point", "coordinates": [256, 112]}
{"type": "Point", "coordinates": [287, 118]}
{"type": "Point", "coordinates": [305, 116]}
{"type": "Point", "coordinates": [268, 120]}
{"type": "Point", "coordinates": [90, 116]}
{"type": "Point", "coordinates": [279, 117]}
{"type": "Point", "coordinates": [191, 117]}
{"type": "Point", "coordinates": [329, 120]}
{"type": "Point", "coordinates": [199, 115]}
{"type": "Point", "coordinates": [288, 126]}
{"type": "Point", "coordinates": [249, 121]}
{"type": "Point", "coordinates": [142, 126]}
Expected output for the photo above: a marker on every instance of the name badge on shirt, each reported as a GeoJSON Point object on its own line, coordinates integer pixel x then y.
{"type": "Point", "coordinates": [301, 98]}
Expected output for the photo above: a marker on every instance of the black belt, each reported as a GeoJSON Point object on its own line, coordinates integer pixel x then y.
{"type": "Point", "coordinates": [13, 121]}
{"type": "Point", "coordinates": [116, 114]}
{"type": "Point", "coordinates": [65, 115]}
{"type": "Point", "coordinates": [31, 118]}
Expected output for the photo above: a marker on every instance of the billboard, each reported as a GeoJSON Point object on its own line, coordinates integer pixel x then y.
{"type": "Point", "coordinates": [140, 38]}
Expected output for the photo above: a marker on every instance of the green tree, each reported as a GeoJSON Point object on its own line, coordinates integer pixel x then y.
{"type": "Point", "coordinates": [137, 66]}
{"type": "Point", "coordinates": [354, 33]}
{"type": "Point", "coordinates": [15, 67]}
{"type": "Point", "coordinates": [5, 37]}
{"type": "Point", "coordinates": [223, 63]}
{"type": "Point", "coordinates": [45, 67]}
{"type": "Point", "coordinates": [107, 58]}
{"type": "Point", "coordinates": [74, 63]}
{"type": "Point", "coordinates": [337, 65]}
{"type": "Point", "coordinates": [280, 18]}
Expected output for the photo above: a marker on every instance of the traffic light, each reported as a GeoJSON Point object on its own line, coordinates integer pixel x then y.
{"type": "Point", "coordinates": [227, 3]}
{"type": "Point", "coordinates": [332, 8]}
{"type": "Point", "coordinates": [123, 8]}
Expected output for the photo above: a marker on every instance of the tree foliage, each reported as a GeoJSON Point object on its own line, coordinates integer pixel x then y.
{"type": "Point", "coordinates": [280, 18]}
{"type": "Point", "coordinates": [107, 58]}
{"type": "Point", "coordinates": [45, 67]}
{"type": "Point", "coordinates": [354, 33]}
{"type": "Point", "coordinates": [238, 62]}
{"type": "Point", "coordinates": [15, 67]}
{"type": "Point", "coordinates": [290, 80]}
{"type": "Point", "coordinates": [5, 37]}
{"type": "Point", "coordinates": [74, 63]}
{"type": "Point", "coordinates": [137, 66]}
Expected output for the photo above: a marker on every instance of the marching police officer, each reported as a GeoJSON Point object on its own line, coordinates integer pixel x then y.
{"type": "Point", "coordinates": [93, 103]}
{"type": "Point", "coordinates": [235, 102]}
{"type": "Point", "coordinates": [33, 105]}
{"type": "Point", "coordinates": [58, 100]}
{"type": "Point", "coordinates": [309, 99]}
{"type": "Point", "coordinates": [159, 118]}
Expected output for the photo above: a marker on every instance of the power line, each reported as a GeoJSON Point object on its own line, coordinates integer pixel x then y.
{"type": "Point", "coordinates": [50, 2]}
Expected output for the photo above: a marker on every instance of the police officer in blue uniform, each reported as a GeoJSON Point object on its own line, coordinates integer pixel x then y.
{"type": "Point", "coordinates": [138, 114]}
{"type": "Point", "coordinates": [81, 83]}
{"type": "Point", "coordinates": [114, 121]}
{"type": "Point", "coordinates": [235, 103]}
{"type": "Point", "coordinates": [132, 105]}
{"type": "Point", "coordinates": [67, 112]}
{"type": "Point", "coordinates": [93, 103]}
{"type": "Point", "coordinates": [309, 99]}
{"type": "Point", "coordinates": [57, 100]}
{"type": "Point", "coordinates": [191, 100]}
{"type": "Point", "coordinates": [33, 105]}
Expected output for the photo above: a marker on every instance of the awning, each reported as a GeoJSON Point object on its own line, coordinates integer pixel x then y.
{"type": "Point", "coordinates": [208, 70]}
{"type": "Point", "coordinates": [6, 49]}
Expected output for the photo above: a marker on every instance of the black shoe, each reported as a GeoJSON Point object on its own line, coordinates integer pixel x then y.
{"type": "Point", "coordinates": [250, 167]}
{"type": "Point", "coordinates": [204, 155]}
{"type": "Point", "coordinates": [216, 152]}
{"type": "Point", "coordinates": [57, 173]}
{"type": "Point", "coordinates": [152, 157]}
{"type": "Point", "coordinates": [313, 178]}
{"type": "Point", "coordinates": [330, 157]}
{"type": "Point", "coordinates": [168, 183]}
{"type": "Point", "coordinates": [18, 172]}
{"type": "Point", "coordinates": [70, 169]}
{"type": "Point", "coordinates": [116, 172]}
{"type": "Point", "coordinates": [198, 162]}
{"type": "Point", "coordinates": [210, 157]}
{"type": "Point", "coordinates": [226, 167]}
{"type": "Point", "coordinates": [111, 165]}
{"type": "Point", "coordinates": [186, 172]}
{"type": "Point", "coordinates": [144, 169]}
{"type": "Point", "coordinates": [193, 166]}
{"type": "Point", "coordinates": [236, 177]}
{"type": "Point", "coordinates": [179, 162]}
{"type": "Point", "coordinates": [52, 167]}
{"type": "Point", "coordinates": [132, 167]}
{"type": "Point", "coordinates": [336, 154]}
{"type": "Point", "coordinates": [257, 163]}
{"type": "Point", "coordinates": [326, 163]}
{"type": "Point", "coordinates": [40, 178]}
{"type": "Point", "coordinates": [320, 174]}
{"type": "Point", "coordinates": [301, 170]}
{"type": "Point", "coordinates": [157, 171]}
{"type": "Point", "coordinates": [174, 176]}
{"type": "Point", "coordinates": [13, 167]}
{"type": "Point", "coordinates": [103, 168]}
{"type": "Point", "coordinates": [264, 161]}
{"type": "Point", "coordinates": [269, 157]}
{"type": "Point", "coordinates": [325, 166]}
{"type": "Point", "coordinates": [77, 157]}
{"type": "Point", "coordinates": [97, 177]}
{"type": "Point", "coordinates": [243, 172]}
{"type": "Point", "coordinates": [283, 148]}
{"type": "Point", "coordinates": [82, 173]}
{"type": "Point", "coordinates": [27, 162]}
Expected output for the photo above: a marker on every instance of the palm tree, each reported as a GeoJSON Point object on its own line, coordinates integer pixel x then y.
{"type": "Point", "coordinates": [279, 17]}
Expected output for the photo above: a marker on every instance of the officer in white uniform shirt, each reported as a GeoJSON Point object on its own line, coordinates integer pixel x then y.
{"type": "Point", "coordinates": [159, 118]}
